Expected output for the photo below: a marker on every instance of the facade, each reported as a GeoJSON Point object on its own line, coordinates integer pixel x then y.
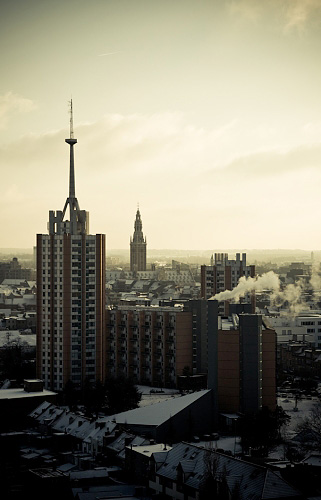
{"type": "Point", "coordinates": [150, 344]}
{"type": "Point", "coordinates": [13, 270]}
{"type": "Point", "coordinates": [138, 246]}
{"type": "Point", "coordinates": [288, 327]}
{"type": "Point", "coordinates": [224, 274]}
{"type": "Point", "coordinates": [241, 362]}
{"type": "Point", "coordinates": [70, 296]}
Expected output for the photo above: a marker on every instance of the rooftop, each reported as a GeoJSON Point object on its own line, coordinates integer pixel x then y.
{"type": "Point", "coordinates": [155, 414]}
{"type": "Point", "coordinates": [21, 393]}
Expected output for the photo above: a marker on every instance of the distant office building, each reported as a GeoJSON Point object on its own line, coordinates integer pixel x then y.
{"type": "Point", "coordinates": [241, 362]}
{"type": "Point", "coordinates": [304, 326]}
{"type": "Point", "coordinates": [138, 246]}
{"type": "Point", "coordinates": [70, 296]}
{"type": "Point", "coordinates": [13, 270]}
{"type": "Point", "coordinates": [224, 274]}
{"type": "Point", "coordinates": [152, 345]}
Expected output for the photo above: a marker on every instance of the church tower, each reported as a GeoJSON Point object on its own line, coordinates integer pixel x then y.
{"type": "Point", "coordinates": [138, 246]}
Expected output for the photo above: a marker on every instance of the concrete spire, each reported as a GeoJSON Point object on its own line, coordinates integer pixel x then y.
{"type": "Point", "coordinates": [79, 219]}
{"type": "Point", "coordinates": [71, 141]}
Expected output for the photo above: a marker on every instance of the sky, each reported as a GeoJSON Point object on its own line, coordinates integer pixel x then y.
{"type": "Point", "coordinates": [206, 113]}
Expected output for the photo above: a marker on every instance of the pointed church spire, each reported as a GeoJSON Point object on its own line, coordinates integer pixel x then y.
{"type": "Point", "coordinates": [138, 245]}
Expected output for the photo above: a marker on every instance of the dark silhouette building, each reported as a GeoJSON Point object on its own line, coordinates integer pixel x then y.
{"type": "Point", "coordinates": [241, 362]}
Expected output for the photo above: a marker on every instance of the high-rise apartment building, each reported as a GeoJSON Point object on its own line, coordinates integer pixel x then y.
{"type": "Point", "coordinates": [224, 274]}
{"type": "Point", "coordinates": [70, 295]}
{"type": "Point", "coordinates": [241, 362]}
{"type": "Point", "coordinates": [152, 345]}
{"type": "Point", "coordinates": [138, 246]}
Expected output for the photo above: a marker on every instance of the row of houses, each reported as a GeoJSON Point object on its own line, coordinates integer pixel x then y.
{"type": "Point", "coordinates": [181, 470]}
{"type": "Point", "coordinates": [299, 358]}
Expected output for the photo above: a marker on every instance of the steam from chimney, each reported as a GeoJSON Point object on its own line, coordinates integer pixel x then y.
{"type": "Point", "coordinates": [268, 281]}
{"type": "Point", "coordinates": [291, 295]}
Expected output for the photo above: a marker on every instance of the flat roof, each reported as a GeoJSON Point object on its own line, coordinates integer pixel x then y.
{"type": "Point", "coordinates": [21, 393]}
{"type": "Point", "coordinates": [157, 413]}
{"type": "Point", "coordinates": [149, 449]}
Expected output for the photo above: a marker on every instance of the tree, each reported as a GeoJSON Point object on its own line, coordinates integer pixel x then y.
{"type": "Point", "coordinates": [16, 360]}
{"type": "Point", "coordinates": [70, 395]}
{"type": "Point", "coordinates": [115, 396]}
{"type": "Point", "coordinates": [262, 431]}
{"type": "Point", "coordinates": [312, 424]}
{"type": "Point", "coordinates": [214, 484]}
{"type": "Point", "coordinates": [121, 394]}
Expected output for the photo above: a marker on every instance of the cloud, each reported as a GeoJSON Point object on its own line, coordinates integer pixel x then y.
{"type": "Point", "coordinates": [268, 164]}
{"type": "Point", "coordinates": [298, 13]}
{"type": "Point", "coordinates": [177, 171]}
{"type": "Point", "coordinates": [291, 15]}
{"type": "Point", "coordinates": [13, 103]}
{"type": "Point", "coordinates": [249, 9]}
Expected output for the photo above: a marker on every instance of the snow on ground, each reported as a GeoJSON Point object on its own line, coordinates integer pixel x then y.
{"type": "Point", "coordinates": [151, 395]}
{"type": "Point", "coordinates": [304, 406]}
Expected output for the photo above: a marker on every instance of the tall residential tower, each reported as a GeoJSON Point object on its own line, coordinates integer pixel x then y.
{"type": "Point", "coordinates": [224, 274]}
{"type": "Point", "coordinates": [138, 246]}
{"type": "Point", "coordinates": [70, 295]}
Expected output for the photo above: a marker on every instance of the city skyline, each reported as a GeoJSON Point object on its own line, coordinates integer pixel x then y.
{"type": "Point", "coordinates": [205, 113]}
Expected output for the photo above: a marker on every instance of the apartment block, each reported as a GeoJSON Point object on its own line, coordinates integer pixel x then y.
{"type": "Point", "coordinates": [150, 344]}
{"type": "Point", "coordinates": [70, 296]}
{"type": "Point", "coordinates": [224, 274]}
{"type": "Point", "coordinates": [241, 362]}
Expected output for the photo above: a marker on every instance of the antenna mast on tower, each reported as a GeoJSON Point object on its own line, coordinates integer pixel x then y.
{"type": "Point", "coordinates": [71, 121]}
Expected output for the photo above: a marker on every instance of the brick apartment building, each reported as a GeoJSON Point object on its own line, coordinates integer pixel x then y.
{"type": "Point", "coordinates": [241, 362]}
{"type": "Point", "coordinates": [150, 344]}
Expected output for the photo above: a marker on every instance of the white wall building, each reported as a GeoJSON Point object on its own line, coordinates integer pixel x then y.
{"type": "Point", "coordinates": [304, 326]}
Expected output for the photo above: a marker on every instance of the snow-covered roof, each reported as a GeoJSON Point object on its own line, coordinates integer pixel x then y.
{"type": "Point", "coordinates": [151, 449]}
{"type": "Point", "coordinates": [21, 393]}
{"type": "Point", "coordinates": [15, 335]}
{"type": "Point", "coordinates": [254, 481]}
{"type": "Point", "coordinates": [156, 414]}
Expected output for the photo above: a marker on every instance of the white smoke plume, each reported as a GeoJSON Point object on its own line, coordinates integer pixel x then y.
{"type": "Point", "coordinates": [268, 281]}
{"type": "Point", "coordinates": [292, 296]}
{"type": "Point", "coordinates": [315, 280]}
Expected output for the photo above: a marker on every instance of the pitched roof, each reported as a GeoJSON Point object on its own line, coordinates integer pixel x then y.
{"type": "Point", "coordinates": [253, 481]}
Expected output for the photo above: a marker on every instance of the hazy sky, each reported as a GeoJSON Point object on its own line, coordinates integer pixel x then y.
{"type": "Point", "coordinates": [205, 112]}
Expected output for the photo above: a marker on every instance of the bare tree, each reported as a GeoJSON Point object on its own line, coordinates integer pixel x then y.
{"type": "Point", "coordinates": [312, 424]}
{"type": "Point", "coordinates": [214, 484]}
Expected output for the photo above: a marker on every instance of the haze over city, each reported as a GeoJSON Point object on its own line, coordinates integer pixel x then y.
{"type": "Point", "coordinates": [205, 113]}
